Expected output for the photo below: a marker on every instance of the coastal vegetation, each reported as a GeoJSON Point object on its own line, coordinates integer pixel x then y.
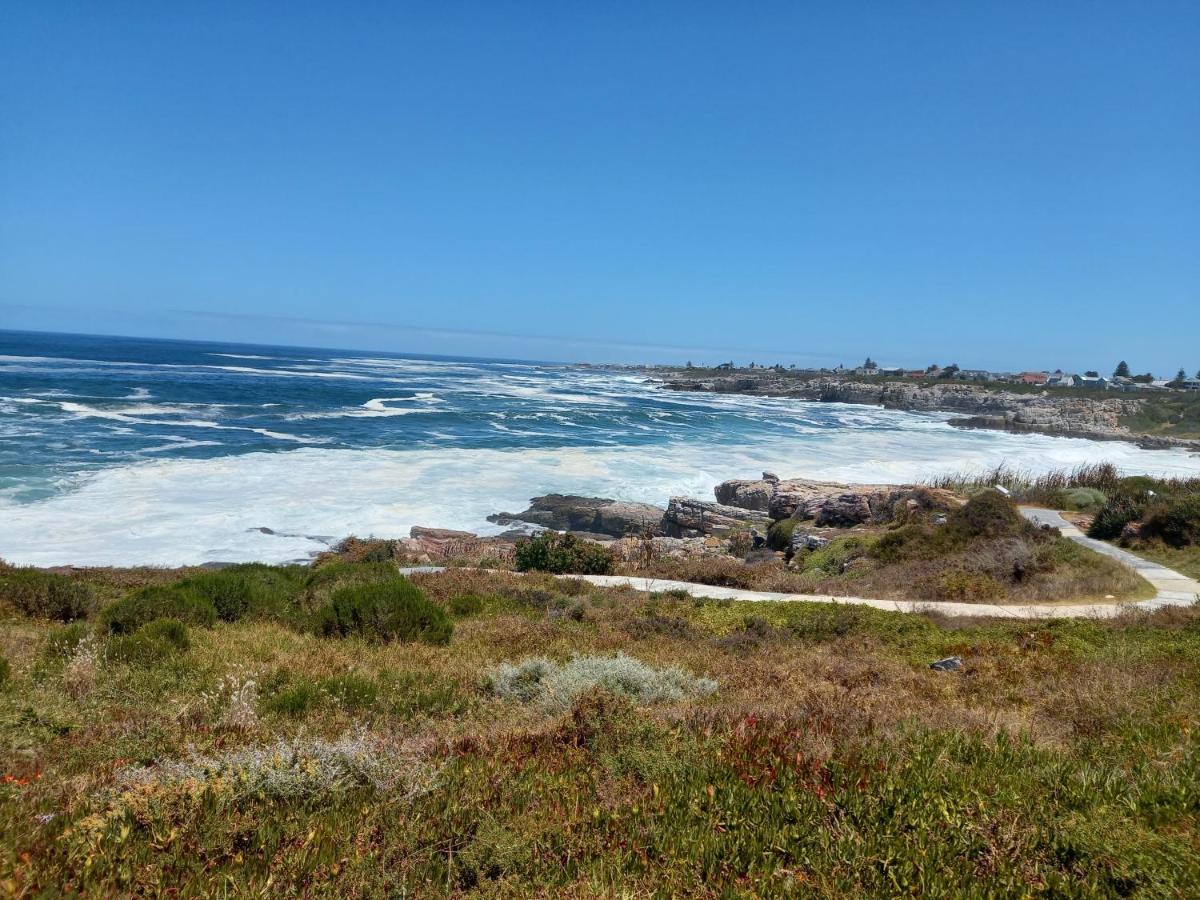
{"type": "Point", "coordinates": [552, 551]}
{"type": "Point", "coordinates": [570, 739]}
{"type": "Point", "coordinates": [982, 551]}
{"type": "Point", "coordinates": [1158, 518]}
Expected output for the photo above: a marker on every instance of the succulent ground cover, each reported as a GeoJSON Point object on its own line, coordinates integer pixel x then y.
{"type": "Point", "coordinates": [565, 740]}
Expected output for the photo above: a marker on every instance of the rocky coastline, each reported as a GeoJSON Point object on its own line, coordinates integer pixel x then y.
{"type": "Point", "coordinates": [1093, 418]}
{"type": "Point", "coordinates": [740, 518]}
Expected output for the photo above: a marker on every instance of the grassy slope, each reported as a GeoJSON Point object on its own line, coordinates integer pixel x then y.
{"type": "Point", "coordinates": [831, 761]}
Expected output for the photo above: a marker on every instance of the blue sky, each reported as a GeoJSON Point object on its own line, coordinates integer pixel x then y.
{"type": "Point", "coordinates": [1008, 184]}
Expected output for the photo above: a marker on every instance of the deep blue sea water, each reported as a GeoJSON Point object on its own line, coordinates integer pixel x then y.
{"type": "Point", "coordinates": [122, 450]}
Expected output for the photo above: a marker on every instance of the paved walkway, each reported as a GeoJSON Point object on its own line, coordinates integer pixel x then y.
{"type": "Point", "coordinates": [1173, 588]}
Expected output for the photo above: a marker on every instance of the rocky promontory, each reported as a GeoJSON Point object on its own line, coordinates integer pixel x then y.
{"type": "Point", "coordinates": [1043, 412]}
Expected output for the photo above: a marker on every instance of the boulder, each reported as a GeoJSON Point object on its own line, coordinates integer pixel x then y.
{"type": "Point", "coordinates": [594, 515]}
{"type": "Point", "coordinates": [686, 517]}
{"type": "Point", "coordinates": [754, 495]}
{"type": "Point", "coordinates": [842, 511]}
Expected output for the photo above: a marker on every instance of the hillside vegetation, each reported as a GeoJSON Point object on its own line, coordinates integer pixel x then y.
{"type": "Point", "coordinates": [1158, 518]}
{"type": "Point", "coordinates": [980, 552]}
{"type": "Point", "coordinates": [485, 734]}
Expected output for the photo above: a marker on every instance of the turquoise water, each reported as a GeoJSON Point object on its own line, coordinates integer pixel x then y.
{"type": "Point", "coordinates": [122, 450]}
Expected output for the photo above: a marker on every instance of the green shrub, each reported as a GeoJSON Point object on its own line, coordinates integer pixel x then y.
{"type": "Point", "coordinates": [46, 595]}
{"type": "Point", "coordinates": [384, 611]}
{"type": "Point", "coordinates": [1175, 521]}
{"type": "Point", "coordinates": [988, 514]}
{"type": "Point", "coordinates": [352, 691]}
{"type": "Point", "coordinates": [378, 552]}
{"type": "Point", "coordinates": [463, 605]}
{"type": "Point", "coordinates": [779, 535]}
{"type": "Point", "coordinates": [5, 672]}
{"type": "Point", "coordinates": [249, 591]}
{"type": "Point", "coordinates": [324, 580]}
{"type": "Point", "coordinates": [152, 643]}
{"type": "Point", "coordinates": [172, 631]}
{"type": "Point", "coordinates": [1118, 512]}
{"type": "Point", "coordinates": [177, 601]}
{"type": "Point", "coordinates": [561, 554]}
{"type": "Point", "coordinates": [368, 550]}
{"type": "Point", "coordinates": [1083, 499]}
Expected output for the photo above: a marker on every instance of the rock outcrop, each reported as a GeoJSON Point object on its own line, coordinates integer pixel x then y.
{"type": "Point", "coordinates": [594, 515]}
{"type": "Point", "coordinates": [686, 517]}
{"type": "Point", "coordinates": [436, 545]}
{"type": "Point", "coordinates": [827, 503]}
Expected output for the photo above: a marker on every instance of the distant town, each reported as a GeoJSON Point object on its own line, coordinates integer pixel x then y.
{"type": "Point", "coordinates": [1121, 379]}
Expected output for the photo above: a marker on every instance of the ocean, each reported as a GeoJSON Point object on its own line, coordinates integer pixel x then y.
{"type": "Point", "coordinates": [122, 451]}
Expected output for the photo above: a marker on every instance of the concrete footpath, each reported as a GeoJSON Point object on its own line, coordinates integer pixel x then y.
{"type": "Point", "coordinates": [1173, 589]}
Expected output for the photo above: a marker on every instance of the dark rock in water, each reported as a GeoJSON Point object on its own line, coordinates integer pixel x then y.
{"type": "Point", "coordinates": [596, 515]}
{"type": "Point", "coordinates": [319, 538]}
{"type": "Point", "coordinates": [949, 664]}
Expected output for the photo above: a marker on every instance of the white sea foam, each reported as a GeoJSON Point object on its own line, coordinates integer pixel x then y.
{"type": "Point", "coordinates": [373, 409]}
{"type": "Point", "coordinates": [176, 443]}
{"type": "Point", "coordinates": [176, 511]}
{"type": "Point", "coordinates": [135, 415]}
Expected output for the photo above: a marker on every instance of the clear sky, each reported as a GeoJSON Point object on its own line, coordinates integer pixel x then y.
{"type": "Point", "coordinates": [1000, 184]}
